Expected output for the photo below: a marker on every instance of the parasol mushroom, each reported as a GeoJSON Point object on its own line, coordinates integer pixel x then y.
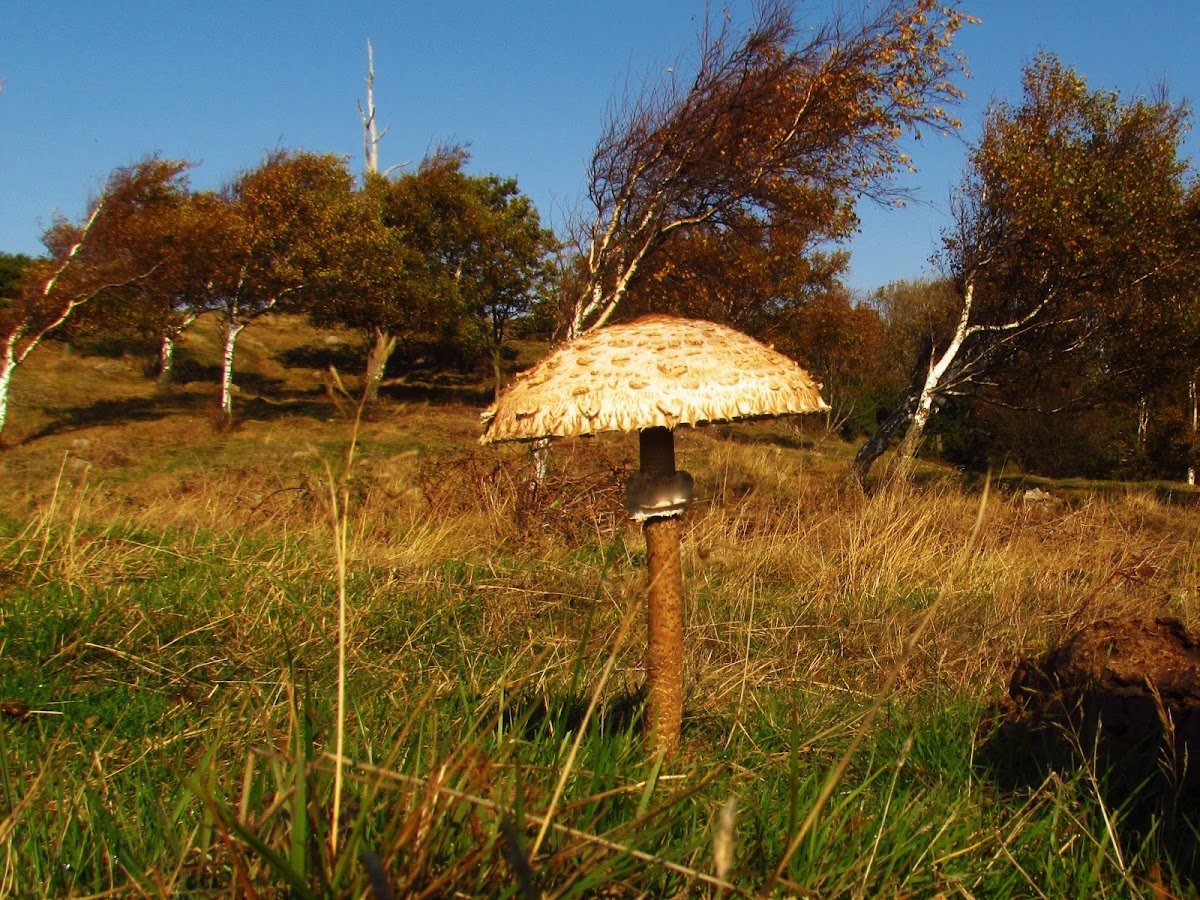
{"type": "Point", "coordinates": [649, 376]}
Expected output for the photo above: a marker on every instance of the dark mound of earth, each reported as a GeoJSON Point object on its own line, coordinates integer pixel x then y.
{"type": "Point", "coordinates": [1125, 687]}
{"type": "Point", "coordinates": [1121, 696]}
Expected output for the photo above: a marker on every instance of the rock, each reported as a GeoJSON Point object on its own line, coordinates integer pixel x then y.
{"type": "Point", "coordinates": [1120, 702]}
{"type": "Point", "coordinates": [1036, 495]}
{"type": "Point", "coordinates": [1121, 657]}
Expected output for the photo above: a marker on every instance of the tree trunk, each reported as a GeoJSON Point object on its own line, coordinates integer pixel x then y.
{"type": "Point", "coordinates": [377, 359]}
{"type": "Point", "coordinates": [7, 367]}
{"type": "Point", "coordinates": [878, 443]}
{"type": "Point", "coordinates": [232, 330]}
{"type": "Point", "coordinates": [370, 132]}
{"type": "Point", "coordinates": [166, 362]}
{"type": "Point", "coordinates": [918, 405]}
{"type": "Point", "coordinates": [906, 453]}
{"type": "Point", "coordinates": [497, 373]}
{"type": "Point", "coordinates": [1194, 397]}
{"type": "Point", "coordinates": [166, 353]}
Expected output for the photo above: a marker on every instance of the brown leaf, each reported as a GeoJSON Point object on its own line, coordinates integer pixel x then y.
{"type": "Point", "coordinates": [16, 709]}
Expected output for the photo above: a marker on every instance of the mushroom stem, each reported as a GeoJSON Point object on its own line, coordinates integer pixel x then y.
{"type": "Point", "coordinates": [664, 608]}
{"type": "Point", "coordinates": [664, 634]}
{"type": "Point", "coordinates": [657, 447]}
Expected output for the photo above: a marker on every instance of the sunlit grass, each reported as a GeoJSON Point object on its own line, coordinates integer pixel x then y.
{"type": "Point", "coordinates": [170, 631]}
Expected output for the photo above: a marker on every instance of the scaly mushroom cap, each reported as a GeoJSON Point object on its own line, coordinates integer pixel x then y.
{"type": "Point", "coordinates": [656, 371]}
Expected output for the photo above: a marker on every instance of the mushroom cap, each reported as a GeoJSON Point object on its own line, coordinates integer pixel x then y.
{"type": "Point", "coordinates": [656, 371]}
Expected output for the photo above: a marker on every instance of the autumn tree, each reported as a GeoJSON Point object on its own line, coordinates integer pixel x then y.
{"type": "Point", "coordinates": [181, 291]}
{"type": "Point", "coordinates": [749, 274]}
{"type": "Point", "coordinates": [11, 267]}
{"type": "Point", "coordinates": [441, 249]}
{"type": "Point", "coordinates": [282, 233]}
{"type": "Point", "coordinates": [1064, 239]}
{"type": "Point", "coordinates": [786, 124]}
{"type": "Point", "coordinates": [396, 288]}
{"type": "Point", "coordinates": [376, 292]}
{"type": "Point", "coordinates": [845, 343]}
{"type": "Point", "coordinates": [501, 260]}
{"type": "Point", "coordinates": [770, 281]}
{"type": "Point", "coordinates": [915, 314]}
{"type": "Point", "coordinates": [183, 240]}
{"type": "Point", "coordinates": [85, 261]}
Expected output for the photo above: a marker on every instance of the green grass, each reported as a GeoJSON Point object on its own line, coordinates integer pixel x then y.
{"type": "Point", "coordinates": [170, 620]}
{"type": "Point", "coordinates": [184, 714]}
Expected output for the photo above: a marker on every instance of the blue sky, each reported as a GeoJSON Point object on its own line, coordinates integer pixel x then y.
{"type": "Point", "coordinates": [93, 84]}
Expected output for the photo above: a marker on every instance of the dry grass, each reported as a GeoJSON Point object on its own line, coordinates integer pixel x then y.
{"type": "Point", "coordinates": [468, 583]}
{"type": "Point", "coordinates": [796, 579]}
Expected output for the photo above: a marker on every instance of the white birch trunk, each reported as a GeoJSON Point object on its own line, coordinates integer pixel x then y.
{"type": "Point", "coordinates": [232, 330]}
{"type": "Point", "coordinates": [1194, 397]}
{"type": "Point", "coordinates": [7, 367]}
{"type": "Point", "coordinates": [166, 353]}
{"type": "Point", "coordinates": [370, 132]}
{"type": "Point", "coordinates": [907, 451]}
{"type": "Point", "coordinates": [166, 360]}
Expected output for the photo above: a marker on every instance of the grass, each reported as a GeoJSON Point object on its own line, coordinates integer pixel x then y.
{"type": "Point", "coordinates": [169, 640]}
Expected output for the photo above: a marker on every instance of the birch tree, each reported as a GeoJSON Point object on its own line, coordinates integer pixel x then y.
{"type": "Point", "coordinates": [784, 122]}
{"type": "Point", "coordinates": [749, 274]}
{"type": "Point", "coordinates": [1064, 237]}
{"type": "Point", "coordinates": [85, 261]}
{"type": "Point", "coordinates": [179, 293]}
{"type": "Point", "coordinates": [180, 241]}
{"type": "Point", "coordinates": [283, 231]}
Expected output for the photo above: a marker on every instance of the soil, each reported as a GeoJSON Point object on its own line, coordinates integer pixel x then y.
{"type": "Point", "coordinates": [1125, 692]}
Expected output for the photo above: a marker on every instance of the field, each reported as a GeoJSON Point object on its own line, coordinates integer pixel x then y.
{"type": "Point", "coordinates": [183, 606]}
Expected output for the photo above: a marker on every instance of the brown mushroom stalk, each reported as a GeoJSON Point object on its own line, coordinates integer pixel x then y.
{"type": "Point", "coordinates": [651, 376]}
{"type": "Point", "coordinates": [664, 634]}
{"type": "Point", "coordinates": [664, 602]}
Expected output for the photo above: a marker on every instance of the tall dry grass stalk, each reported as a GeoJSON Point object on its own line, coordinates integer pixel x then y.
{"type": "Point", "coordinates": [339, 507]}
{"type": "Point", "coordinates": [814, 585]}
